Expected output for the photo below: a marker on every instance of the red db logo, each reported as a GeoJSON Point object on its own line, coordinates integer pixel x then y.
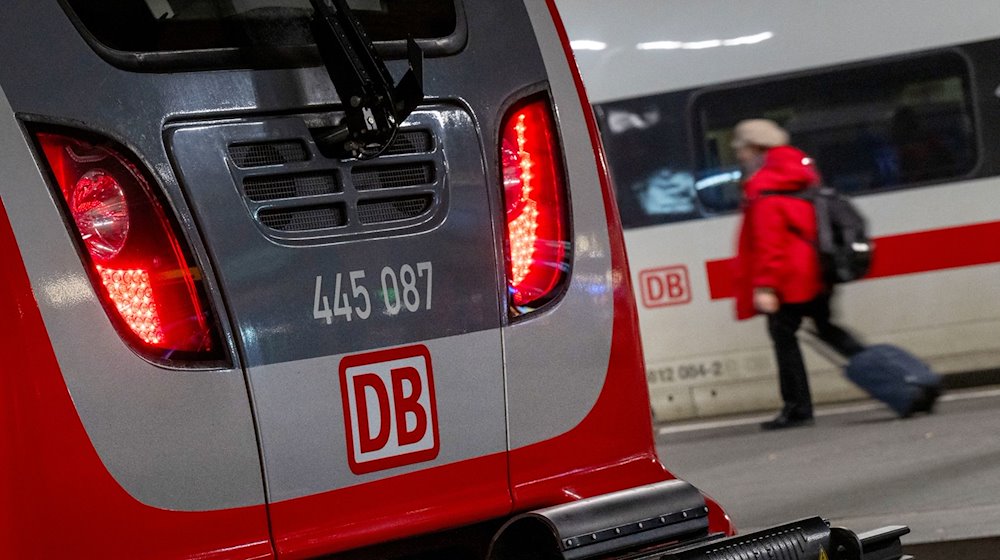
{"type": "Point", "coordinates": [389, 408]}
{"type": "Point", "coordinates": [665, 286]}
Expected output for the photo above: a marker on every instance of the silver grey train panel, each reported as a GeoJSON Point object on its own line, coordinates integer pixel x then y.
{"type": "Point", "coordinates": [304, 296]}
{"type": "Point", "coordinates": [271, 253]}
{"type": "Point", "coordinates": [557, 362]}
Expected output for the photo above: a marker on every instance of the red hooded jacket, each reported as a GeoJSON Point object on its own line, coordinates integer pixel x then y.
{"type": "Point", "coordinates": [777, 237]}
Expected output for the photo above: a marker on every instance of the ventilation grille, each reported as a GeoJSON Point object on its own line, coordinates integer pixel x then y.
{"type": "Point", "coordinates": [268, 153]}
{"type": "Point", "coordinates": [305, 218]}
{"type": "Point", "coordinates": [262, 189]}
{"type": "Point", "coordinates": [393, 210]}
{"type": "Point", "coordinates": [295, 192]}
{"type": "Point", "coordinates": [411, 142]}
{"type": "Point", "coordinates": [392, 176]}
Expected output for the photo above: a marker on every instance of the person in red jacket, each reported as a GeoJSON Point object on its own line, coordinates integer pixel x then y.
{"type": "Point", "coordinates": [778, 271]}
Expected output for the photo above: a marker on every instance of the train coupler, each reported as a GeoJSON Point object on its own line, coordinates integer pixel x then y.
{"type": "Point", "coordinates": [669, 521]}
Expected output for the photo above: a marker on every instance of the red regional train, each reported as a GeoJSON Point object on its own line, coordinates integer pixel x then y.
{"type": "Point", "coordinates": [328, 279]}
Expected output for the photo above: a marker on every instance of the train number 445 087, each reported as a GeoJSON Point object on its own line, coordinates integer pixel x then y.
{"type": "Point", "coordinates": [407, 288]}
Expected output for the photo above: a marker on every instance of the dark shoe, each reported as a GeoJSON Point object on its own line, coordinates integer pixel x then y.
{"type": "Point", "coordinates": [785, 420]}
{"type": "Point", "coordinates": [925, 402]}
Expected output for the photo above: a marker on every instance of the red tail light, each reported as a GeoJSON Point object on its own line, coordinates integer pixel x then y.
{"type": "Point", "coordinates": [138, 263]}
{"type": "Point", "coordinates": [537, 248]}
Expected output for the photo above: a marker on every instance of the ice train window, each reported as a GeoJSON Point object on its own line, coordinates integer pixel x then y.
{"type": "Point", "coordinates": [872, 127]}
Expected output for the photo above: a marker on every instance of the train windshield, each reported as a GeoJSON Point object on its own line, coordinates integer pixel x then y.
{"type": "Point", "coordinates": [214, 33]}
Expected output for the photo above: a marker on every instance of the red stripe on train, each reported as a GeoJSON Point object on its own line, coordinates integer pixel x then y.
{"type": "Point", "coordinates": [896, 255]}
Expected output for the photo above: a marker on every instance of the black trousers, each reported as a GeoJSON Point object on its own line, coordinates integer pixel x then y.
{"type": "Point", "coordinates": [782, 327]}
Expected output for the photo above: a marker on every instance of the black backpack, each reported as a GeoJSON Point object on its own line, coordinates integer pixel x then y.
{"type": "Point", "coordinates": [842, 241]}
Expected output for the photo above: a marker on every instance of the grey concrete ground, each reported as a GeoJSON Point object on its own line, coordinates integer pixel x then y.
{"type": "Point", "coordinates": [859, 467]}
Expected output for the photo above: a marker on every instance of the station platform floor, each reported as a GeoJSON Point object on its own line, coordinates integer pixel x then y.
{"type": "Point", "coordinates": [859, 467]}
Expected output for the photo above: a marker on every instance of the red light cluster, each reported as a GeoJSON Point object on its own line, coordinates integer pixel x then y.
{"type": "Point", "coordinates": [139, 263]}
{"type": "Point", "coordinates": [132, 295]}
{"type": "Point", "coordinates": [535, 205]}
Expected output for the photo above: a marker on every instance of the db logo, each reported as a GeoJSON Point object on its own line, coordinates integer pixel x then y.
{"type": "Point", "coordinates": [389, 409]}
{"type": "Point", "coordinates": [665, 286]}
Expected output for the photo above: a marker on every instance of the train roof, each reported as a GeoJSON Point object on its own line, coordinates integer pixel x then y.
{"type": "Point", "coordinates": [631, 48]}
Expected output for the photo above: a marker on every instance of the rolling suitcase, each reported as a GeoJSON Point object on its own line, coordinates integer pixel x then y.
{"type": "Point", "coordinates": [887, 372]}
{"type": "Point", "coordinates": [895, 377]}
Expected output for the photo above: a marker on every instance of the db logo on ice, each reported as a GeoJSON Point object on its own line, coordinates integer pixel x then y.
{"type": "Point", "coordinates": [389, 408]}
{"type": "Point", "coordinates": [665, 286]}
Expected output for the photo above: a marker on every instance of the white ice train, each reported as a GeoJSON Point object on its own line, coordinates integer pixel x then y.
{"type": "Point", "coordinates": [899, 102]}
